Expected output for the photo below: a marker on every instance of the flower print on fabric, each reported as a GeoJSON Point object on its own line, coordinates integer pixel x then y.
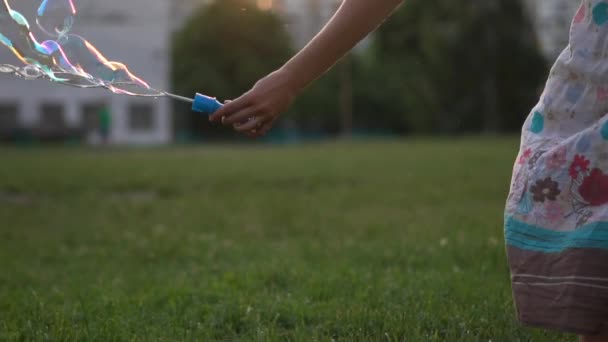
{"type": "Point", "coordinates": [580, 164]}
{"type": "Point", "coordinates": [580, 15]}
{"type": "Point", "coordinates": [594, 189]}
{"type": "Point", "coordinates": [557, 209]}
{"type": "Point", "coordinates": [557, 158]}
{"type": "Point", "coordinates": [525, 156]}
{"type": "Point", "coordinates": [545, 190]}
{"type": "Point", "coordinates": [584, 218]}
{"type": "Point", "coordinates": [535, 158]}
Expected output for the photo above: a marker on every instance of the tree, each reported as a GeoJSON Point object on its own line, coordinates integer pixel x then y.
{"type": "Point", "coordinates": [459, 65]}
{"type": "Point", "coordinates": [223, 49]}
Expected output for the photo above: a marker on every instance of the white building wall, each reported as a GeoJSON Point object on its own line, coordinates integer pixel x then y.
{"type": "Point", "coordinates": [123, 32]}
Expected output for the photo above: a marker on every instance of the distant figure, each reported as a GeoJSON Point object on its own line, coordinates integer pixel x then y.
{"type": "Point", "coordinates": [556, 219]}
{"type": "Point", "coordinates": [105, 124]}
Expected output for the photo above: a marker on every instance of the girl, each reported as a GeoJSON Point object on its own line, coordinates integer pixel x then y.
{"type": "Point", "coordinates": [556, 219]}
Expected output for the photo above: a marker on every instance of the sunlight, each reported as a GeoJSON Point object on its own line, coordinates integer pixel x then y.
{"type": "Point", "coordinates": [265, 4]}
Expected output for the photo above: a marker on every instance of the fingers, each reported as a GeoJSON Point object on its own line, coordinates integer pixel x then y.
{"type": "Point", "coordinates": [244, 117]}
{"type": "Point", "coordinates": [254, 123]}
{"type": "Point", "coordinates": [229, 108]}
{"type": "Point", "coordinates": [241, 116]}
{"type": "Point", "coordinates": [223, 118]}
{"type": "Point", "coordinates": [260, 132]}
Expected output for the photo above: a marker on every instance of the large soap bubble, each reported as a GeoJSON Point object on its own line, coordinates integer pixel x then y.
{"type": "Point", "coordinates": [56, 17]}
{"type": "Point", "coordinates": [66, 57]}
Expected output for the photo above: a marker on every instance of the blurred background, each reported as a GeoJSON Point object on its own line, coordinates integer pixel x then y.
{"type": "Point", "coordinates": [446, 67]}
{"type": "Point", "coordinates": [373, 212]}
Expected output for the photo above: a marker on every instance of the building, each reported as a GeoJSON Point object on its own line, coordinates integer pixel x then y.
{"type": "Point", "coordinates": [552, 19]}
{"type": "Point", "coordinates": [123, 32]}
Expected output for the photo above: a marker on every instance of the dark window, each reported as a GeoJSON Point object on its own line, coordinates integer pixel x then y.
{"type": "Point", "coordinates": [91, 116]}
{"type": "Point", "coordinates": [141, 117]}
{"type": "Point", "coordinates": [9, 117]}
{"type": "Point", "coordinates": [52, 117]}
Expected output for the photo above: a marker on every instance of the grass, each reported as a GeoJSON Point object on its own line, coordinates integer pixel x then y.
{"type": "Point", "coordinates": [384, 241]}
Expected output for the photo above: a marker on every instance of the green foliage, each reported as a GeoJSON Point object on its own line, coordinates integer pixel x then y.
{"type": "Point", "coordinates": [318, 106]}
{"type": "Point", "coordinates": [437, 67]}
{"type": "Point", "coordinates": [446, 66]}
{"type": "Point", "coordinates": [374, 108]}
{"type": "Point", "coordinates": [459, 65]}
{"type": "Point", "coordinates": [351, 242]}
{"type": "Point", "coordinates": [225, 47]}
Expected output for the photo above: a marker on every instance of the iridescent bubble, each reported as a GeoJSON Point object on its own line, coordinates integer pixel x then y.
{"type": "Point", "coordinates": [16, 35]}
{"type": "Point", "coordinates": [31, 71]}
{"type": "Point", "coordinates": [67, 58]}
{"type": "Point", "coordinates": [56, 17]}
{"type": "Point", "coordinates": [6, 68]}
{"type": "Point", "coordinates": [80, 56]}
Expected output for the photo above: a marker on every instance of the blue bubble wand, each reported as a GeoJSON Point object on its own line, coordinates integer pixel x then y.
{"type": "Point", "coordinates": [200, 103]}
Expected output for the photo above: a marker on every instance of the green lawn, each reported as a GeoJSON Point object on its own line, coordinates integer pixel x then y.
{"type": "Point", "coordinates": [384, 241]}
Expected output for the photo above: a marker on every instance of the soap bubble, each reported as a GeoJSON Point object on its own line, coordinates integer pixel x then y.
{"type": "Point", "coordinates": [66, 58]}
{"type": "Point", "coordinates": [56, 17]}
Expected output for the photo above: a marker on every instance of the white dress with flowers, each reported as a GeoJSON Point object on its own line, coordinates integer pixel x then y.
{"type": "Point", "coordinates": [556, 219]}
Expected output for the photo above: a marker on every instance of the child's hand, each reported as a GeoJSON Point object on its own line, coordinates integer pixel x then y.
{"type": "Point", "coordinates": [254, 113]}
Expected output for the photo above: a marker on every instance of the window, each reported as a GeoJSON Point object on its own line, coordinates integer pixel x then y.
{"type": "Point", "coordinates": [92, 115]}
{"type": "Point", "coordinates": [52, 116]}
{"type": "Point", "coordinates": [9, 117]}
{"type": "Point", "coordinates": [141, 117]}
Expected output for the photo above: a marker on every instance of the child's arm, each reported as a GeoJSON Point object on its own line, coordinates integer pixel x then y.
{"type": "Point", "coordinates": [255, 112]}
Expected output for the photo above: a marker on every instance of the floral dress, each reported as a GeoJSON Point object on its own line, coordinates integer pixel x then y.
{"type": "Point", "coordinates": [556, 219]}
